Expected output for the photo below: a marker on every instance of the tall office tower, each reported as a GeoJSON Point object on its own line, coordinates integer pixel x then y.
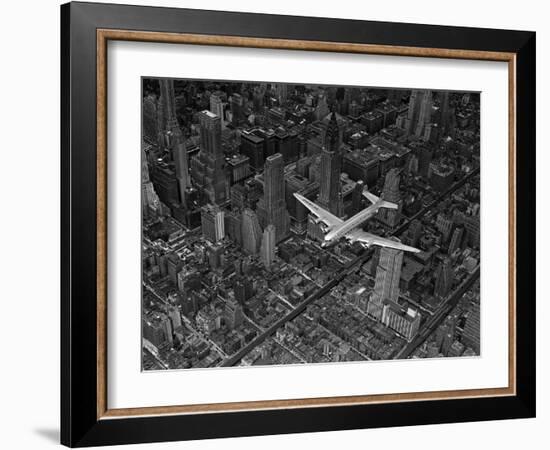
{"type": "Point", "coordinates": [411, 165]}
{"type": "Point", "coordinates": [357, 197]}
{"type": "Point", "coordinates": [374, 261]}
{"type": "Point", "coordinates": [174, 316]}
{"type": "Point", "coordinates": [212, 223]}
{"type": "Point", "coordinates": [414, 233]}
{"type": "Point", "coordinates": [331, 167]}
{"type": "Point", "coordinates": [168, 104]}
{"type": "Point", "coordinates": [282, 92]}
{"type": "Point", "coordinates": [236, 103]}
{"type": "Point", "coordinates": [208, 167]}
{"type": "Point", "coordinates": [470, 335]}
{"type": "Point", "coordinates": [472, 223]}
{"type": "Point", "coordinates": [243, 289]}
{"type": "Point", "coordinates": [322, 108]}
{"type": "Point", "coordinates": [444, 279]}
{"type": "Point", "coordinates": [239, 197]}
{"type": "Point", "coordinates": [239, 168]}
{"type": "Point", "coordinates": [251, 231]}
{"type": "Point", "coordinates": [150, 201]}
{"type": "Point", "coordinates": [145, 178]}
{"type": "Point", "coordinates": [420, 111]}
{"type": "Point", "coordinates": [444, 111]}
{"type": "Point", "coordinates": [233, 314]}
{"type": "Point", "coordinates": [258, 97]}
{"type": "Point", "coordinates": [216, 106]}
{"type": "Point", "coordinates": [391, 193]}
{"type": "Point", "coordinates": [456, 239]}
{"type": "Point", "coordinates": [150, 118]}
{"type": "Point", "coordinates": [233, 226]}
{"type": "Point", "coordinates": [386, 283]}
{"type": "Point", "coordinates": [272, 206]}
{"type": "Point", "coordinates": [267, 251]}
{"type": "Point", "coordinates": [252, 146]}
{"type": "Point", "coordinates": [181, 162]}
{"type": "Point", "coordinates": [424, 160]}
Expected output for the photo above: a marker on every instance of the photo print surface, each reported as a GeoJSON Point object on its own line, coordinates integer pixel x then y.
{"type": "Point", "coordinates": [295, 224]}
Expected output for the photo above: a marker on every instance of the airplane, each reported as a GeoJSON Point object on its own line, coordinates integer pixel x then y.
{"type": "Point", "coordinates": [336, 228]}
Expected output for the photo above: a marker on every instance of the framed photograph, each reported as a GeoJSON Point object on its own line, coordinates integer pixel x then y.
{"type": "Point", "coordinates": [276, 224]}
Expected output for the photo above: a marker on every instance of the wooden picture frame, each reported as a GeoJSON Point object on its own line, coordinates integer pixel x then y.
{"type": "Point", "coordinates": [86, 418]}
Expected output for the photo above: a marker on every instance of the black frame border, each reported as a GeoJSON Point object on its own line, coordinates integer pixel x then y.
{"type": "Point", "coordinates": [79, 424]}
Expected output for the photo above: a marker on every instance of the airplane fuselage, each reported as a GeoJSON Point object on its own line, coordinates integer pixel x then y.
{"type": "Point", "coordinates": [352, 223]}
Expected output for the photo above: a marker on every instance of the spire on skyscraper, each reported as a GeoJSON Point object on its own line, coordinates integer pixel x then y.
{"type": "Point", "coordinates": [332, 134]}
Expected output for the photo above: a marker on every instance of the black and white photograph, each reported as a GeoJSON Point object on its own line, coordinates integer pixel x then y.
{"type": "Point", "coordinates": [299, 223]}
{"type": "Point", "coordinates": [275, 225]}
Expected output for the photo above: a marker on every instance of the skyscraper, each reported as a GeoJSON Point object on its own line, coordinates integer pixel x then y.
{"type": "Point", "coordinates": [168, 104]}
{"type": "Point", "coordinates": [181, 163]}
{"type": "Point", "coordinates": [216, 106]}
{"type": "Point", "coordinates": [420, 110]}
{"type": "Point", "coordinates": [251, 231]}
{"type": "Point", "coordinates": [456, 239]}
{"type": "Point", "coordinates": [357, 197]}
{"type": "Point", "coordinates": [272, 206]}
{"type": "Point", "coordinates": [150, 113]}
{"type": "Point", "coordinates": [243, 289]}
{"type": "Point", "coordinates": [237, 109]}
{"type": "Point", "coordinates": [322, 108]}
{"type": "Point", "coordinates": [386, 284]}
{"type": "Point", "coordinates": [258, 98]}
{"type": "Point", "coordinates": [208, 167]}
{"type": "Point", "coordinates": [391, 193]}
{"type": "Point", "coordinates": [150, 201]}
{"type": "Point", "coordinates": [470, 336]}
{"type": "Point", "coordinates": [282, 92]}
{"type": "Point", "coordinates": [267, 251]}
{"type": "Point", "coordinates": [330, 195]}
{"type": "Point", "coordinates": [444, 111]}
{"type": "Point", "coordinates": [414, 233]}
{"type": "Point", "coordinates": [444, 279]}
{"type": "Point", "coordinates": [233, 313]}
{"type": "Point", "coordinates": [212, 223]}
{"type": "Point", "coordinates": [210, 131]}
{"type": "Point", "coordinates": [424, 160]}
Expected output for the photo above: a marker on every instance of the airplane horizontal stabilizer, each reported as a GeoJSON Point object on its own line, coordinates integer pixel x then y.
{"type": "Point", "coordinates": [372, 198]}
{"type": "Point", "coordinates": [382, 203]}
{"type": "Point", "coordinates": [388, 205]}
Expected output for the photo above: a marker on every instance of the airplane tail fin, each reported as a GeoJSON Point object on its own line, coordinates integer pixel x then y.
{"type": "Point", "coordinates": [374, 199]}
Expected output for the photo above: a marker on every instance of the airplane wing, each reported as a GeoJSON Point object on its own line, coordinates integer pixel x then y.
{"type": "Point", "coordinates": [322, 214]}
{"type": "Point", "coordinates": [372, 239]}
